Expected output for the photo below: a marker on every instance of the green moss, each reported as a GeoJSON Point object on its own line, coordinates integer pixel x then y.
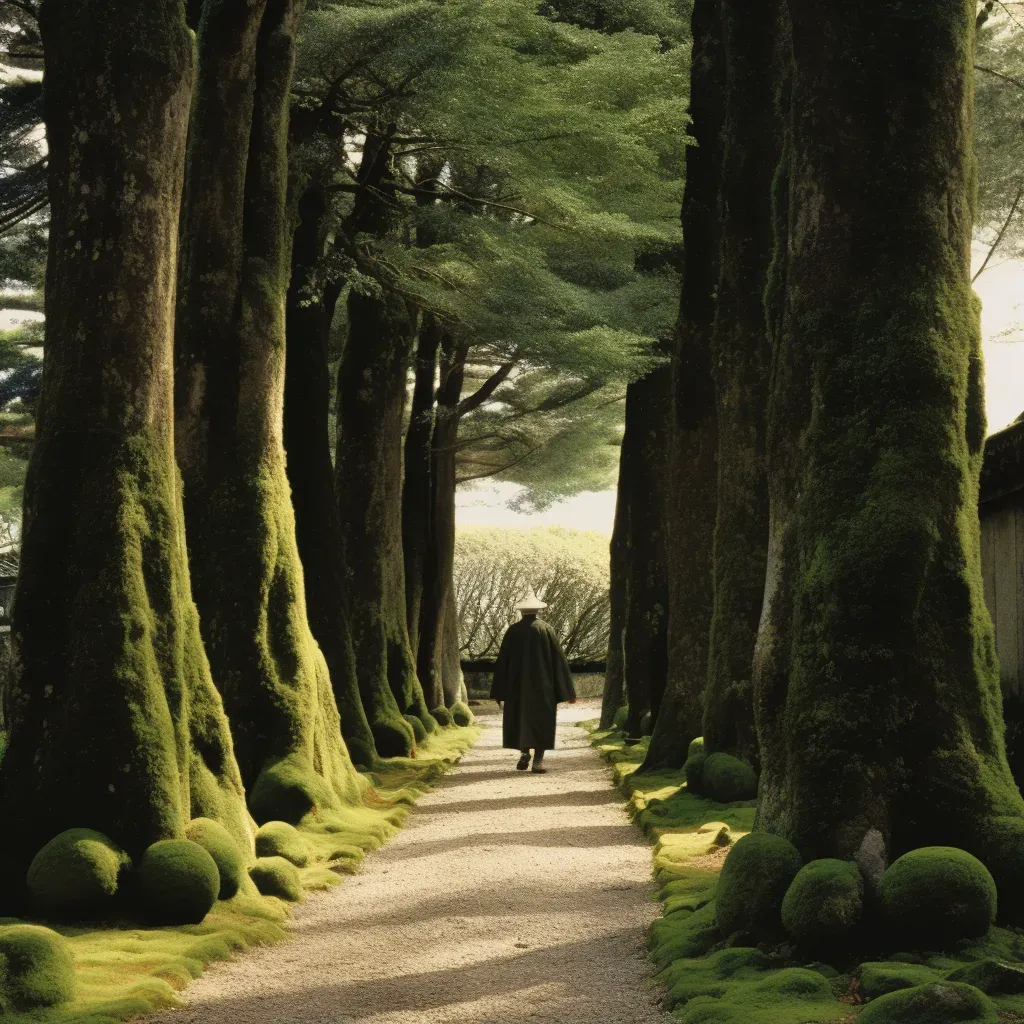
{"type": "Point", "coordinates": [279, 839]}
{"type": "Point", "coordinates": [76, 873]}
{"type": "Point", "coordinates": [36, 968]}
{"type": "Point", "coordinates": [620, 717]}
{"type": "Point", "coordinates": [287, 790]}
{"type": "Point", "coordinates": [418, 729]}
{"type": "Point", "coordinates": [937, 895]}
{"type": "Point", "coordinates": [993, 977]}
{"type": "Point", "coordinates": [275, 876]}
{"type": "Point", "coordinates": [824, 903]}
{"type": "Point", "coordinates": [756, 874]}
{"type": "Point", "coordinates": [215, 839]}
{"type": "Point", "coordinates": [442, 716]}
{"type": "Point", "coordinates": [936, 1003]}
{"type": "Point", "coordinates": [176, 882]}
{"type": "Point", "coordinates": [726, 778]}
{"type": "Point", "coordinates": [879, 979]}
{"type": "Point", "coordinates": [693, 773]}
{"type": "Point", "coordinates": [684, 935]}
{"type": "Point", "coordinates": [461, 714]}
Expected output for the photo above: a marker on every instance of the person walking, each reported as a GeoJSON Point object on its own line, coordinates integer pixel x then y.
{"type": "Point", "coordinates": [531, 678]}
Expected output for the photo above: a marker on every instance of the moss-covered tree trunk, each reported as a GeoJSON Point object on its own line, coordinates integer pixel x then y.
{"type": "Point", "coordinates": [230, 390]}
{"type": "Point", "coordinates": [307, 397]}
{"type": "Point", "coordinates": [876, 683]}
{"type": "Point", "coordinates": [742, 355]}
{"type": "Point", "coordinates": [645, 621]}
{"type": "Point", "coordinates": [692, 471]}
{"type": "Point", "coordinates": [613, 696]}
{"type": "Point", "coordinates": [368, 485]}
{"type": "Point", "coordinates": [115, 722]}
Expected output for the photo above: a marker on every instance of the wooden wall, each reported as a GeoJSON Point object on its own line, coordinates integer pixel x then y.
{"type": "Point", "coordinates": [1002, 567]}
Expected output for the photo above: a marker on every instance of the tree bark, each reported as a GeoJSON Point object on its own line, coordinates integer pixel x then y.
{"type": "Point", "coordinates": [742, 358]}
{"type": "Point", "coordinates": [613, 695]}
{"type": "Point", "coordinates": [452, 679]}
{"type": "Point", "coordinates": [368, 482]}
{"type": "Point", "coordinates": [230, 378]}
{"type": "Point", "coordinates": [692, 472]}
{"type": "Point", "coordinates": [307, 397]}
{"type": "Point", "coordinates": [115, 722]}
{"type": "Point", "coordinates": [875, 675]}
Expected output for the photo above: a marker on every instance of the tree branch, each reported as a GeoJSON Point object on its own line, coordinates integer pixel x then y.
{"type": "Point", "coordinates": [1002, 232]}
{"type": "Point", "coordinates": [999, 74]}
{"type": "Point", "coordinates": [489, 386]}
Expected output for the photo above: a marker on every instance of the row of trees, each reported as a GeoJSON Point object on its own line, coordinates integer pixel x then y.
{"type": "Point", "coordinates": [806, 592]}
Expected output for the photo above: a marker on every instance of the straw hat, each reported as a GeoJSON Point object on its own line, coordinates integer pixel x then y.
{"type": "Point", "coordinates": [531, 603]}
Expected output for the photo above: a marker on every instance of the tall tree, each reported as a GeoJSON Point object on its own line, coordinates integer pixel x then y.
{"type": "Point", "coordinates": [876, 684]}
{"type": "Point", "coordinates": [116, 724]}
{"type": "Point", "coordinates": [230, 384]}
{"type": "Point", "coordinates": [613, 696]}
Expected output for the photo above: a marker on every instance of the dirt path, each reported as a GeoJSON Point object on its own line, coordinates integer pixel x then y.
{"type": "Point", "coordinates": [508, 898]}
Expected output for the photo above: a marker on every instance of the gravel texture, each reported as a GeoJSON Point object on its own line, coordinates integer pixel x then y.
{"type": "Point", "coordinates": [509, 897]}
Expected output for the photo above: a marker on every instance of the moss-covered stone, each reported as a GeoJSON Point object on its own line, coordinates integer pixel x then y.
{"type": "Point", "coordinates": [176, 882]}
{"type": "Point", "coordinates": [461, 714]}
{"type": "Point", "coordinates": [993, 977]}
{"type": "Point", "coordinates": [76, 873]}
{"type": "Point", "coordinates": [880, 978]}
{"type": "Point", "coordinates": [726, 778]}
{"type": "Point", "coordinates": [36, 969]}
{"type": "Point", "coordinates": [279, 839]}
{"type": "Point", "coordinates": [755, 877]}
{"type": "Point", "coordinates": [418, 728]}
{"type": "Point", "coordinates": [215, 839]}
{"type": "Point", "coordinates": [824, 903]}
{"type": "Point", "coordinates": [937, 1003]}
{"type": "Point", "coordinates": [693, 768]}
{"type": "Point", "coordinates": [287, 790]}
{"type": "Point", "coordinates": [442, 716]}
{"type": "Point", "coordinates": [938, 895]}
{"type": "Point", "coordinates": [275, 876]}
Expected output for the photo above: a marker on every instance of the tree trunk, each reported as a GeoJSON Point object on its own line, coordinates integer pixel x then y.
{"type": "Point", "coordinates": [234, 275]}
{"type": "Point", "coordinates": [307, 397]}
{"type": "Point", "coordinates": [115, 722]}
{"type": "Point", "coordinates": [644, 638]}
{"type": "Point", "coordinates": [875, 674]}
{"type": "Point", "coordinates": [417, 521]}
{"type": "Point", "coordinates": [742, 358]}
{"type": "Point", "coordinates": [368, 482]}
{"type": "Point", "coordinates": [452, 679]}
{"type": "Point", "coordinates": [692, 471]}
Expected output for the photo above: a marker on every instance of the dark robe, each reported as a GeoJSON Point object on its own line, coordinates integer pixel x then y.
{"type": "Point", "coordinates": [532, 677]}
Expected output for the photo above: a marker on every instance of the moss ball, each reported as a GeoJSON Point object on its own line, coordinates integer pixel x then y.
{"type": "Point", "coordinates": [287, 790]}
{"type": "Point", "coordinates": [393, 738]}
{"type": "Point", "coordinates": [442, 716]}
{"type": "Point", "coordinates": [419, 730]}
{"type": "Point", "coordinates": [755, 877]}
{"type": "Point", "coordinates": [275, 876]}
{"type": "Point", "coordinates": [825, 902]}
{"type": "Point", "coordinates": [279, 839]}
{"type": "Point", "coordinates": [620, 718]}
{"type": "Point", "coordinates": [727, 779]}
{"type": "Point", "coordinates": [177, 882]}
{"type": "Point", "coordinates": [938, 895]}
{"type": "Point", "coordinates": [218, 842]}
{"type": "Point", "coordinates": [938, 1003]}
{"type": "Point", "coordinates": [461, 714]}
{"type": "Point", "coordinates": [76, 873]}
{"type": "Point", "coordinates": [36, 968]}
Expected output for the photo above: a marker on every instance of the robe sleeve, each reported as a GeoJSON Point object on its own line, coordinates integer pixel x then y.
{"type": "Point", "coordinates": [499, 681]}
{"type": "Point", "coordinates": [564, 688]}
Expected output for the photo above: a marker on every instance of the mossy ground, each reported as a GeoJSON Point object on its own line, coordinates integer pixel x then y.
{"type": "Point", "coordinates": [709, 979]}
{"type": "Point", "coordinates": [125, 970]}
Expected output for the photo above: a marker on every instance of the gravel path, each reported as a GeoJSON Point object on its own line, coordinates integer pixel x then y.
{"type": "Point", "coordinates": [508, 898]}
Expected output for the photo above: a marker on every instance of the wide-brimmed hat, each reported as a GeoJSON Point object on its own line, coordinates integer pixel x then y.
{"type": "Point", "coordinates": [531, 603]}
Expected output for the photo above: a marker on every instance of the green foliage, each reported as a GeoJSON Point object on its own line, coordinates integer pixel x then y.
{"type": "Point", "coordinates": [36, 968]}
{"type": "Point", "coordinates": [279, 839]}
{"type": "Point", "coordinates": [937, 895]}
{"type": "Point", "coordinates": [76, 873]}
{"type": "Point", "coordinates": [936, 1003]}
{"type": "Point", "coordinates": [726, 778]}
{"type": "Point", "coordinates": [218, 842]}
{"type": "Point", "coordinates": [275, 876]}
{"type": "Point", "coordinates": [755, 877]}
{"type": "Point", "coordinates": [824, 903]}
{"type": "Point", "coordinates": [177, 882]}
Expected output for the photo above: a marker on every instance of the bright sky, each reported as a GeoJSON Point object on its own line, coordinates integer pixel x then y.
{"type": "Point", "coordinates": [1001, 288]}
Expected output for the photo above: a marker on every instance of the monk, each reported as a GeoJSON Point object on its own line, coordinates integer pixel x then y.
{"type": "Point", "coordinates": [531, 678]}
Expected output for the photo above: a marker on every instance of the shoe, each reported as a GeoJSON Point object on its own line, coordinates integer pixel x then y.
{"type": "Point", "coordinates": [524, 763]}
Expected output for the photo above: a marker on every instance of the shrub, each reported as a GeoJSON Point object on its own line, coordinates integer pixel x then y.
{"type": "Point", "coordinates": [825, 902]}
{"type": "Point", "coordinates": [727, 778]}
{"type": "Point", "coordinates": [275, 876]}
{"type": "Point", "coordinates": [938, 895]}
{"type": "Point", "coordinates": [279, 839]}
{"type": "Point", "coordinates": [755, 877]}
{"type": "Point", "coordinates": [36, 968]}
{"type": "Point", "coordinates": [218, 842]}
{"type": "Point", "coordinates": [442, 716]}
{"type": "Point", "coordinates": [76, 873]}
{"type": "Point", "coordinates": [938, 1003]}
{"type": "Point", "coordinates": [461, 714]}
{"type": "Point", "coordinates": [418, 728]}
{"type": "Point", "coordinates": [177, 882]}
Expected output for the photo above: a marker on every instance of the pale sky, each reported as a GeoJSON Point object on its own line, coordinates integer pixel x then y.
{"type": "Point", "coordinates": [1001, 288]}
